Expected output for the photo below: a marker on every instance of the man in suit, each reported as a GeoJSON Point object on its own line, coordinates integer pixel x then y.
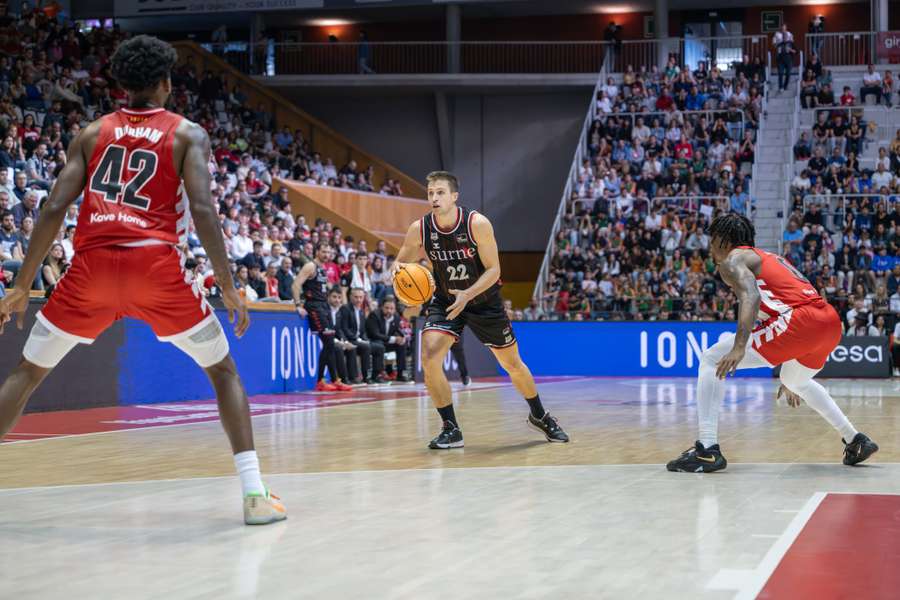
{"type": "Point", "coordinates": [383, 326]}
{"type": "Point", "coordinates": [351, 326]}
{"type": "Point", "coordinates": [335, 300]}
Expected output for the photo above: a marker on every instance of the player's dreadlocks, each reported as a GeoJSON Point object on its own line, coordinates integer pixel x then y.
{"type": "Point", "coordinates": [140, 63]}
{"type": "Point", "coordinates": [733, 229]}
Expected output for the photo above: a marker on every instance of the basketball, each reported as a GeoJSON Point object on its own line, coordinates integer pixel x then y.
{"type": "Point", "coordinates": [413, 285]}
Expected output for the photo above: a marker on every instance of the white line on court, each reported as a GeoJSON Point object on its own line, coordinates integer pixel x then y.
{"type": "Point", "coordinates": [761, 574]}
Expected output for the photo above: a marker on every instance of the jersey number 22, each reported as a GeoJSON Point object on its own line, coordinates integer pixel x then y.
{"type": "Point", "coordinates": [458, 272]}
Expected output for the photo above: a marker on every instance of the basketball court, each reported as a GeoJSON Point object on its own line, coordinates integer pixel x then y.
{"type": "Point", "coordinates": [141, 501]}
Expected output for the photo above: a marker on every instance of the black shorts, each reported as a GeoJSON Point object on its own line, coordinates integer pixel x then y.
{"type": "Point", "coordinates": [487, 320]}
{"type": "Point", "coordinates": [319, 318]}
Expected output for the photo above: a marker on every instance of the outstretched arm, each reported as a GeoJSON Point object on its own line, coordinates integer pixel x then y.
{"type": "Point", "coordinates": [195, 173]}
{"type": "Point", "coordinates": [735, 271]}
{"type": "Point", "coordinates": [483, 235]}
{"type": "Point", "coordinates": [68, 187]}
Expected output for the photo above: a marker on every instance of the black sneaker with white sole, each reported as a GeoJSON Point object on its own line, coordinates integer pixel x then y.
{"type": "Point", "coordinates": [699, 460]}
{"type": "Point", "coordinates": [549, 426]}
{"type": "Point", "coordinates": [859, 449]}
{"type": "Point", "coordinates": [449, 437]}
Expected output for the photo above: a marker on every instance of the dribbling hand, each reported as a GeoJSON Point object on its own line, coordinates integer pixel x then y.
{"type": "Point", "coordinates": [462, 298]}
{"type": "Point", "coordinates": [235, 303]}
{"type": "Point", "coordinates": [15, 301]}
{"type": "Point", "coordinates": [395, 268]}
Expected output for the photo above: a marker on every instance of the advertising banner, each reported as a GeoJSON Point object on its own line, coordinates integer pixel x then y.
{"type": "Point", "coordinates": [479, 360]}
{"type": "Point", "coordinates": [277, 354]}
{"type": "Point", "coordinates": [859, 356]}
{"type": "Point", "coordinates": [86, 378]}
{"type": "Point", "coordinates": [887, 46]}
{"type": "Point", "coordinates": [620, 349]}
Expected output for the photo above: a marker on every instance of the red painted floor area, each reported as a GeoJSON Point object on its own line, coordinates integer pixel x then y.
{"type": "Point", "coordinates": [849, 549]}
{"type": "Point", "coordinates": [118, 418]}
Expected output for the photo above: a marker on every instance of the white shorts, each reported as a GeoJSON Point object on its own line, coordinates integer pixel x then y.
{"type": "Point", "coordinates": [205, 343]}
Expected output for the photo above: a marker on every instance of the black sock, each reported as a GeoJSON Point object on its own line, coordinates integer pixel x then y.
{"type": "Point", "coordinates": [447, 413]}
{"type": "Point", "coordinates": [537, 409]}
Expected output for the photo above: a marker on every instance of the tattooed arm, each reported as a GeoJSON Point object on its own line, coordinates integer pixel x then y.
{"type": "Point", "coordinates": [737, 272]}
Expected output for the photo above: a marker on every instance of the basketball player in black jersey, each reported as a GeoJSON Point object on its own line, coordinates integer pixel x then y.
{"type": "Point", "coordinates": [312, 281]}
{"type": "Point", "coordinates": [460, 244]}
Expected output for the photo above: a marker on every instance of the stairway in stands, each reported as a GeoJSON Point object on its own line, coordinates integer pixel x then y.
{"type": "Point", "coordinates": [774, 152]}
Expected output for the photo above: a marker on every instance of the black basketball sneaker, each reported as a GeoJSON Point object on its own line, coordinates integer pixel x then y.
{"type": "Point", "coordinates": [699, 460]}
{"type": "Point", "coordinates": [859, 449]}
{"type": "Point", "coordinates": [449, 437]}
{"type": "Point", "coordinates": [549, 426]}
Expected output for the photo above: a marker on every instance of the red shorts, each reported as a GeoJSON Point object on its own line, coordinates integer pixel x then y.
{"type": "Point", "coordinates": [107, 283]}
{"type": "Point", "coordinates": [807, 333]}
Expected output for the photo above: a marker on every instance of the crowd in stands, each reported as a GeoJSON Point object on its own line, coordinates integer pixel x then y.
{"type": "Point", "coordinates": [54, 79]}
{"type": "Point", "coordinates": [843, 228]}
{"type": "Point", "coordinates": [669, 150]}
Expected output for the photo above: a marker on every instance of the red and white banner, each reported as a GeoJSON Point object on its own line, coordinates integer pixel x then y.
{"type": "Point", "coordinates": [887, 46]}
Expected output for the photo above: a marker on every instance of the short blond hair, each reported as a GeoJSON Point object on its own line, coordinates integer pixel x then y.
{"type": "Point", "coordinates": [447, 176]}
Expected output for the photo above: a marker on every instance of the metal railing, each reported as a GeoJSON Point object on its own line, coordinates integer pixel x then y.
{"type": "Point", "coordinates": [760, 129]}
{"type": "Point", "coordinates": [334, 58]}
{"type": "Point", "coordinates": [842, 48]}
{"type": "Point", "coordinates": [667, 116]}
{"type": "Point", "coordinates": [580, 151]}
{"type": "Point", "coordinates": [789, 164]}
{"type": "Point", "coordinates": [835, 205]}
{"type": "Point", "coordinates": [719, 51]}
{"type": "Point", "coordinates": [337, 58]}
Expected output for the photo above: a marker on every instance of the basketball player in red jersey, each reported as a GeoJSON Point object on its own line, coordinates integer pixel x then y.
{"type": "Point", "coordinates": [143, 172]}
{"type": "Point", "coordinates": [783, 321]}
{"type": "Point", "coordinates": [460, 245]}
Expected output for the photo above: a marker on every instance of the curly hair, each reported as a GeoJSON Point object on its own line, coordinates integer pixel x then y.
{"type": "Point", "coordinates": [141, 62]}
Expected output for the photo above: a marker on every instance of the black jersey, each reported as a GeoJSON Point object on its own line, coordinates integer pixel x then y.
{"type": "Point", "coordinates": [454, 255]}
{"type": "Point", "coordinates": [315, 289]}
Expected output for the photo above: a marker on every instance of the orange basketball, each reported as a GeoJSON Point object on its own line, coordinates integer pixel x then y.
{"type": "Point", "coordinates": [413, 285]}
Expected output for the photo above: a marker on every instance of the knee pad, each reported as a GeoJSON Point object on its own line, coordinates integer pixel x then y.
{"type": "Point", "coordinates": [45, 348]}
{"type": "Point", "coordinates": [207, 346]}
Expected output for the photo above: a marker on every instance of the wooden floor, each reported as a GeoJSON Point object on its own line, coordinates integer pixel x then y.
{"type": "Point", "coordinates": [611, 421]}
{"type": "Point", "coordinates": [153, 510]}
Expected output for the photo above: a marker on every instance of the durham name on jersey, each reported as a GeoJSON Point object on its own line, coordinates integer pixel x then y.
{"type": "Point", "coordinates": [454, 255]}
{"type": "Point", "coordinates": [133, 195]}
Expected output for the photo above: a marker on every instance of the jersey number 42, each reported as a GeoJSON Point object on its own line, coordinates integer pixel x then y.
{"type": "Point", "coordinates": [107, 179]}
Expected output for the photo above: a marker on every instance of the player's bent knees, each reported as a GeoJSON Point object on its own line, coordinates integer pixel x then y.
{"type": "Point", "coordinates": [208, 346]}
{"type": "Point", "coordinates": [222, 369]}
{"type": "Point", "coordinates": [433, 352]}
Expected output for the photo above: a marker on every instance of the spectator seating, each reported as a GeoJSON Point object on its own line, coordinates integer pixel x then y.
{"type": "Point", "coordinates": [667, 152]}
{"type": "Point", "coordinates": [843, 222]}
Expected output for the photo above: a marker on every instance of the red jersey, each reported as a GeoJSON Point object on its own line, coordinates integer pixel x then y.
{"type": "Point", "coordinates": [781, 286]}
{"type": "Point", "coordinates": [133, 192]}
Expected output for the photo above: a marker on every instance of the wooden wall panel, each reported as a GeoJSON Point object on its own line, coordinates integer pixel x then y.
{"type": "Point", "coordinates": [323, 138]}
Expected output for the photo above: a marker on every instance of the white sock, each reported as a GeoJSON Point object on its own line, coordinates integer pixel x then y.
{"type": "Point", "coordinates": [247, 465]}
{"type": "Point", "coordinates": [818, 398]}
{"type": "Point", "coordinates": [799, 379]}
{"type": "Point", "coordinates": [710, 393]}
{"type": "Point", "coordinates": [711, 389]}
